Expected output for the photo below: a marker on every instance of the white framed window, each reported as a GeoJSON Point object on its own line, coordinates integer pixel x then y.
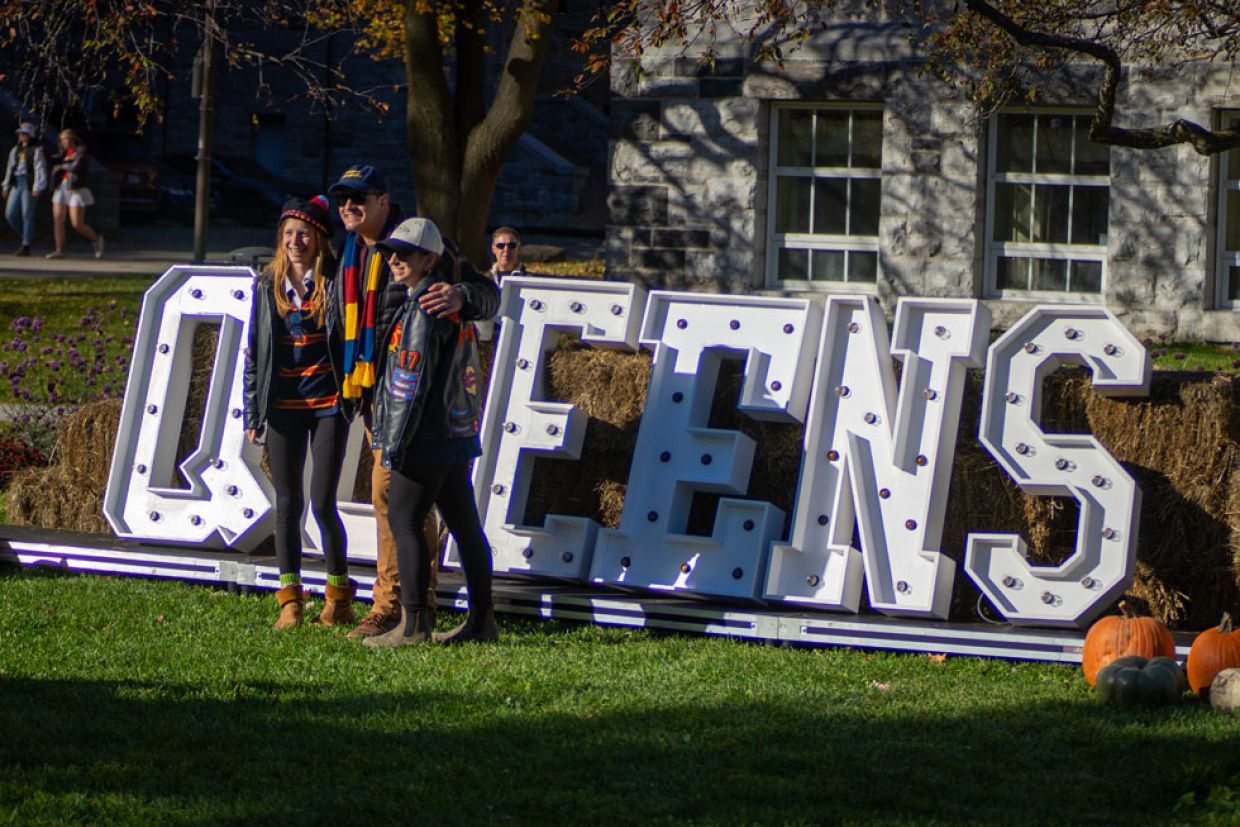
{"type": "Point", "coordinates": [1229, 222]}
{"type": "Point", "coordinates": [1048, 203]}
{"type": "Point", "coordinates": [825, 191]}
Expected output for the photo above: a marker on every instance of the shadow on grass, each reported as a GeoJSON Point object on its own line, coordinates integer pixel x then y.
{"type": "Point", "coordinates": [135, 752]}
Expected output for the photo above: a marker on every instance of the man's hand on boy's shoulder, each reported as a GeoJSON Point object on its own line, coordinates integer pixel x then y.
{"type": "Point", "coordinates": [442, 300]}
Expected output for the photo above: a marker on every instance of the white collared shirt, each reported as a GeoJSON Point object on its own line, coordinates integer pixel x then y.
{"type": "Point", "coordinates": [291, 289]}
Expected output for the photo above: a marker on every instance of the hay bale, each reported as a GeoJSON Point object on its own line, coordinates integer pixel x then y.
{"type": "Point", "coordinates": [56, 497]}
{"type": "Point", "coordinates": [85, 439]}
{"type": "Point", "coordinates": [608, 385]}
{"type": "Point", "coordinates": [202, 362]}
{"type": "Point", "coordinates": [1179, 443]}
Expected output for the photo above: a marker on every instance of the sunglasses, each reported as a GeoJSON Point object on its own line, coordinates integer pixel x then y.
{"type": "Point", "coordinates": [356, 197]}
{"type": "Point", "coordinates": [507, 245]}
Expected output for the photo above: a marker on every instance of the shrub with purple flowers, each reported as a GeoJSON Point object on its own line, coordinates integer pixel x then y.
{"type": "Point", "coordinates": [47, 374]}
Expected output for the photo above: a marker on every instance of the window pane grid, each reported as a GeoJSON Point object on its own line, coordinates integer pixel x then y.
{"type": "Point", "coordinates": [1229, 221]}
{"type": "Point", "coordinates": [1051, 197]}
{"type": "Point", "coordinates": [839, 188]}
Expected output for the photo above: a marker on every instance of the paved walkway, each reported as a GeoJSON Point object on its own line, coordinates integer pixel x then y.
{"type": "Point", "coordinates": [136, 251]}
{"type": "Point", "coordinates": [150, 251]}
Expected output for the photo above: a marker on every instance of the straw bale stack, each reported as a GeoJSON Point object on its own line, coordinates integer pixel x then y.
{"type": "Point", "coordinates": [610, 386]}
{"type": "Point", "coordinates": [69, 493]}
{"type": "Point", "coordinates": [84, 441]}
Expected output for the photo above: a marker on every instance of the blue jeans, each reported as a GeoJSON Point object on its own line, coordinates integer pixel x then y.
{"type": "Point", "coordinates": [19, 211]}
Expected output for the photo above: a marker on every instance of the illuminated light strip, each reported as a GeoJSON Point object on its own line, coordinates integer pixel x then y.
{"type": "Point", "coordinates": [572, 603]}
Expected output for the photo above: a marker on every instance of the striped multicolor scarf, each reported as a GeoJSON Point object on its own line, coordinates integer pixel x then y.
{"type": "Point", "coordinates": [359, 316]}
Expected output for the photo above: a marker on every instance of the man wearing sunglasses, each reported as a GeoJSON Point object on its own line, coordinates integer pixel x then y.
{"type": "Point", "coordinates": [366, 301]}
{"type": "Point", "coordinates": [506, 247]}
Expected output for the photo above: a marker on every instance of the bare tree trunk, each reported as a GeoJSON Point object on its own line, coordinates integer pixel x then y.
{"type": "Point", "coordinates": [457, 145]}
{"type": "Point", "coordinates": [490, 141]}
{"type": "Point", "coordinates": [430, 122]}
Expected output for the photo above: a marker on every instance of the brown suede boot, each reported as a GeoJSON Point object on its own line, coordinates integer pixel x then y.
{"type": "Point", "coordinates": [292, 601]}
{"type": "Point", "coordinates": [478, 625]}
{"type": "Point", "coordinates": [338, 608]}
{"type": "Point", "coordinates": [376, 622]}
{"type": "Point", "coordinates": [423, 625]}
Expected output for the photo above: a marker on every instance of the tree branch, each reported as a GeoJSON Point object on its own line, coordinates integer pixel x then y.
{"type": "Point", "coordinates": [1102, 129]}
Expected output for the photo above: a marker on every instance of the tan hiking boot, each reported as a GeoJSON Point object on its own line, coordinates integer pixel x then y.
{"type": "Point", "coordinates": [292, 601]}
{"type": "Point", "coordinates": [479, 626]}
{"type": "Point", "coordinates": [338, 608]}
{"type": "Point", "coordinates": [376, 622]}
{"type": "Point", "coordinates": [423, 625]}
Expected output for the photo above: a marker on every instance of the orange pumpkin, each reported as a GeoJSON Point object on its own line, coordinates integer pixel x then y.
{"type": "Point", "coordinates": [1213, 651]}
{"type": "Point", "coordinates": [1118, 636]}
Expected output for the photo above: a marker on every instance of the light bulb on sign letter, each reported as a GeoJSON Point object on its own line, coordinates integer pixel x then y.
{"type": "Point", "coordinates": [878, 460]}
{"type": "Point", "coordinates": [228, 502]}
{"type": "Point", "coordinates": [521, 423]}
{"type": "Point", "coordinates": [1101, 566]}
{"type": "Point", "coordinates": [677, 454]}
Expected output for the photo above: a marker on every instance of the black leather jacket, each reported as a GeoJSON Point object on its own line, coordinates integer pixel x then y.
{"type": "Point", "coordinates": [429, 390]}
{"type": "Point", "coordinates": [260, 353]}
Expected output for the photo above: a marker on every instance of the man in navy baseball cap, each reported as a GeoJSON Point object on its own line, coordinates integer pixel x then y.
{"type": "Point", "coordinates": [360, 178]}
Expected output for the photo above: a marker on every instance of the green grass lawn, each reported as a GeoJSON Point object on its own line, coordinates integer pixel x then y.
{"type": "Point", "coordinates": [139, 702]}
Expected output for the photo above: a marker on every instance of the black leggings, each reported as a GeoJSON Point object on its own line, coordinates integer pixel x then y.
{"type": "Point", "coordinates": [287, 437]}
{"type": "Point", "coordinates": [412, 492]}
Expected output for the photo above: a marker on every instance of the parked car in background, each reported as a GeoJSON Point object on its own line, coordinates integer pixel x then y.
{"type": "Point", "coordinates": [249, 194]}
{"type": "Point", "coordinates": [127, 155]}
{"type": "Point", "coordinates": [177, 194]}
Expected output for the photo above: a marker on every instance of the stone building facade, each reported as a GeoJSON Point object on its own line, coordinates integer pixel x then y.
{"type": "Point", "coordinates": [851, 170]}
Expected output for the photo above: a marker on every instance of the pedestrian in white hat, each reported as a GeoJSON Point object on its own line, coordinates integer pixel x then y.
{"type": "Point", "coordinates": [25, 178]}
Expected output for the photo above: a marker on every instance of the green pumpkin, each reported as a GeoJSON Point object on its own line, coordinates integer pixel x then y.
{"type": "Point", "coordinates": [1135, 681]}
{"type": "Point", "coordinates": [1173, 665]}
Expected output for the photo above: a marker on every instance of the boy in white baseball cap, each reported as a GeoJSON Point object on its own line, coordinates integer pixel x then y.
{"type": "Point", "coordinates": [428, 412]}
{"type": "Point", "coordinates": [413, 234]}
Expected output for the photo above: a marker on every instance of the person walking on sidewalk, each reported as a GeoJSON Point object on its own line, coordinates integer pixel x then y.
{"type": "Point", "coordinates": [365, 301]}
{"type": "Point", "coordinates": [292, 397]}
{"type": "Point", "coordinates": [426, 421]}
{"type": "Point", "coordinates": [25, 178]}
{"type": "Point", "coordinates": [72, 194]}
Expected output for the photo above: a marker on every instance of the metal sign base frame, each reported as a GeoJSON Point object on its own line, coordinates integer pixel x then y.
{"type": "Point", "coordinates": [549, 600]}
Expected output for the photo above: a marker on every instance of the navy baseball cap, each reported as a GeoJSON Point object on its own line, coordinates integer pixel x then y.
{"type": "Point", "coordinates": [359, 178]}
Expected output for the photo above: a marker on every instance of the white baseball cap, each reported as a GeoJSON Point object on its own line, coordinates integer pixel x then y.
{"type": "Point", "coordinates": [413, 234]}
{"type": "Point", "coordinates": [27, 128]}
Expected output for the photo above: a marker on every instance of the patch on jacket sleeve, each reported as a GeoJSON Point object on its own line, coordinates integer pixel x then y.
{"type": "Point", "coordinates": [462, 422]}
{"type": "Point", "coordinates": [404, 384]}
{"type": "Point", "coordinates": [469, 378]}
{"type": "Point", "coordinates": [394, 342]}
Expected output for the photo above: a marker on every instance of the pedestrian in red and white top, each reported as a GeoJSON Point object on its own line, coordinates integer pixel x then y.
{"type": "Point", "coordinates": [72, 194]}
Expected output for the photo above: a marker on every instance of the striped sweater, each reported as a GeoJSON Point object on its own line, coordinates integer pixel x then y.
{"type": "Point", "coordinates": [303, 381]}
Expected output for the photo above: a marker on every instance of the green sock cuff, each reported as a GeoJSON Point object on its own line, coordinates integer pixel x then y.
{"type": "Point", "coordinates": [290, 579]}
{"type": "Point", "coordinates": [338, 580]}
